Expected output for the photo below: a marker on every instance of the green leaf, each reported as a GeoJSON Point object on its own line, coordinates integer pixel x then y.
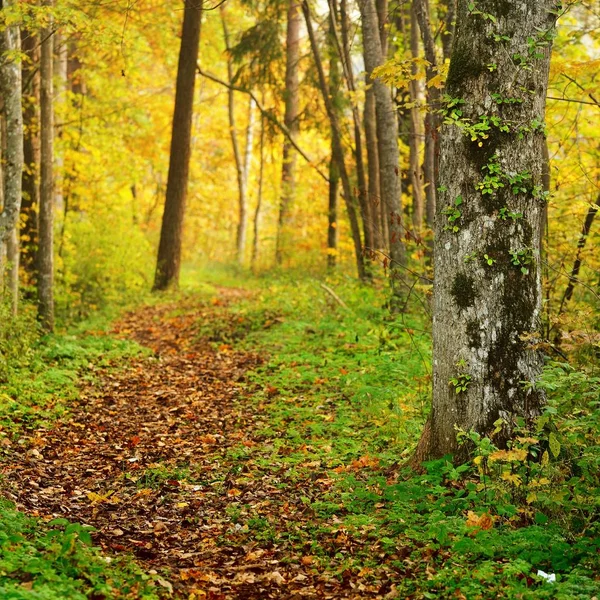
{"type": "Point", "coordinates": [554, 445]}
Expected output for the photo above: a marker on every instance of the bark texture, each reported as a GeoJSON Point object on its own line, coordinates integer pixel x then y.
{"type": "Point", "coordinates": [487, 292]}
{"type": "Point", "coordinates": [10, 91]}
{"type": "Point", "coordinates": [45, 254]}
{"type": "Point", "coordinates": [292, 112]}
{"type": "Point", "coordinates": [169, 249]}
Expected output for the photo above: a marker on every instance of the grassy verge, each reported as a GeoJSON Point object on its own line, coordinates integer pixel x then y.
{"type": "Point", "coordinates": [346, 390]}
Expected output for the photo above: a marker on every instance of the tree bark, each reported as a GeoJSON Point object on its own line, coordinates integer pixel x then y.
{"type": "Point", "coordinates": [45, 255]}
{"type": "Point", "coordinates": [380, 234]}
{"type": "Point", "coordinates": [487, 291]}
{"type": "Point", "coordinates": [10, 91]}
{"type": "Point", "coordinates": [415, 128]}
{"type": "Point", "coordinates": [292, 112]}
{"type": "Point", "coordinates": [432, 121]}
{"type": "Point", "coordinates": [387, 132]}
{"type": "Point", "coordinates": [169, 250]}
{"type": "Point", "coordinates": [337, 148]}
{"type": "Point", "coordinates": [31, 153]}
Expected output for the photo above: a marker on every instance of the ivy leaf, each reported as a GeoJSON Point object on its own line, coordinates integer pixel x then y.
{"type": "Point", "coordinates": [554, 445]}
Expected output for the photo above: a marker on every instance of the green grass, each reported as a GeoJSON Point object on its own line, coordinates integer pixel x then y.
{"type": "Point", "coordinates": [345, 385]}
{"type": "Point", "coordinates": [56, 561]}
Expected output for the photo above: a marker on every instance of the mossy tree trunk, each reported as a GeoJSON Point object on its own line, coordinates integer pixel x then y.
{"type": "Point", "coordinates": [487, 293]}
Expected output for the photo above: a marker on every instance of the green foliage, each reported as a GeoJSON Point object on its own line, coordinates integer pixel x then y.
{"type": "Point", "coordinates": [453, 214]}
{"type": "Point", "coordinates": [56, 560]}
{"type": "Point", "coordinates": [522, 258]}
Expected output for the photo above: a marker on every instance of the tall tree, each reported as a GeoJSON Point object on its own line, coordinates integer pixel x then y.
{"type": "Point", "coordinates": [292, 112]}
{"type": "Point", "coordinates": [31, 151]}
{"type": "Point", "coordinates": [487, 291]}
{"type": "Point", "coordinates": [10, 92]}
{"type": "Point", "coordinates": [45, 254]}
{"type": "Point", "coordinates": [337, 147]}
{"type": "Point", "coordinates": [169, 249]}
{"type": "Point", "coordinates": [387, 132]}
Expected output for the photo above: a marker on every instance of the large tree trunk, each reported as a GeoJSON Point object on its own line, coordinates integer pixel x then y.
{"type": "Point", "coordinates": [387, 135]}
{"type": "Point", "coordinates": [31, 153]}
{"type": "Point", "coordinates": [487, 292]}
{"type": "Point", "coordinates": [10, 91]}
{"type": "Point", "coordinates": [292, 112]}
{"type": "Point", "coordinates": [45, 254]}
{"type": "Point", "coordinates": [169, 250]}
{"type": "Point", "coordinates": [337, 148]}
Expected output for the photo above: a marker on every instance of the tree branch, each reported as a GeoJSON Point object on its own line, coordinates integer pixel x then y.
{"type": "Point", "coordinates": [267, 114]}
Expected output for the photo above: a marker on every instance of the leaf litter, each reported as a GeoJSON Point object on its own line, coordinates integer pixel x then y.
{"type": "Point", "coordinates": [167, 458]}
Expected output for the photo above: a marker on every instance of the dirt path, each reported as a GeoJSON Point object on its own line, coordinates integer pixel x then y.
{"type": "Point", "coordinates": [154, 457]}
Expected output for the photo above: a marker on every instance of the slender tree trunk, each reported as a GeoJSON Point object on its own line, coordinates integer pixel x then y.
{"type": "Point", "coordinates": [487, 291]}
{"type": "Point", "coordinates": [292, 112]}
{"type": "Point", "coordinates": [60, 99]}
{"type": "Point", "coordinates": [332, 228]}
{"type": "Point", "coordinates": [31, 153]}
{"type": "Point", "coordinates": [45, 255]}
{"type": "Point", "coordinates": [259, 193]}
{"type": "Point", "coordinates": [12, 256]}
{"type": "Point", "coordinates": [415, 128]}
{"type": "Point", "coordinates": [448, 31]}
{"type": "Point", "coordinates": [239, 160]}
{"type": "Point", "coordinates": [432, 122]}
{"type": "Point", "coordinates": [585, 232]}
{"type": "Point", "coordinates": [380, 232]}
{"type": "Point", "coordinates": [337, 148]}
{"type": "Point", "coordinates": [343, 49]}
{"type": "Point", "coordinates": [10, 91]}
{"type": "Point", "coordinates": [169, 250]}
{"type": "Point", "coordinates": [387, 132]}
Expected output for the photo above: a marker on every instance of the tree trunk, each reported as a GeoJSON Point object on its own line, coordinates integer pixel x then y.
{"type": "Point", "coordinates": [380, 235]}
{"type": "Point", "coordinates": [292, 112]}
{"type": "Point", "coordinates": [169, 250]}
{"type": "Point", "coordinates": [487, 292]}
{"type": "Point", "coordinates": [261, 170]}
{"type": "Point", "coordinates": [432, 121]}
{"type": "Point", "coordinates": [448, 31]}
{"type": "Point", "coordinates": [337, 148]}
{"type": "Point", "coordinates": [31, 153]}
{"type": "Point", "coordinates": [45, 254]}
{"type": "Point", "coordinates": [10, 91]}
{"type": "Point", "coordinates": [12, 256]}
{"type": "Point", "coordinates": [387, 132]}
{"type": "Point", "coordinates": [415, 128]}
{"type": "Point", "coordinates": [237, 155]}
{"type": "Point", "coordinates": [343, 49]}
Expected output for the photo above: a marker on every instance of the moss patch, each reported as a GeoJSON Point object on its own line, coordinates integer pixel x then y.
{"type": "Point", "coordinates": [463, 291]}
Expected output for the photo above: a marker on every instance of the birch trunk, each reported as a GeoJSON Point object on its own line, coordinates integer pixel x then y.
{"type": "Point", "coordinates": [292, 112]}
{"type": "Point", "coordinates": [487, 292]}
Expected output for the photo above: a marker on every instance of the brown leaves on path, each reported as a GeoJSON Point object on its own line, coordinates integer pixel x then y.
{"type": "Point", "coordinates": [145, 457]}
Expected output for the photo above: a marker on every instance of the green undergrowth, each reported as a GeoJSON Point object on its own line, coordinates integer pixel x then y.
{"type": "Point", "coordinates": [56, 561]}
{"type": "Point", "coordinates": [345, 391]}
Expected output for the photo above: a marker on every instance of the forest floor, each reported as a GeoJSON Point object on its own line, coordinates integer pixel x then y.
{"type": "Point", "coordinates": [255, 451]}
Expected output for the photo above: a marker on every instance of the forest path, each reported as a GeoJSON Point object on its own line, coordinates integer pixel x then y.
{"type": "Point", "coordinates": [153, 456]}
